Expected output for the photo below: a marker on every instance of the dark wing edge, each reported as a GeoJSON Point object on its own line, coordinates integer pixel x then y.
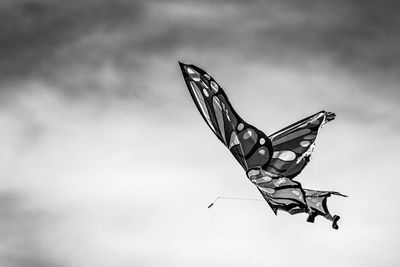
{"type": "Point", "coordinates": [250, 146]}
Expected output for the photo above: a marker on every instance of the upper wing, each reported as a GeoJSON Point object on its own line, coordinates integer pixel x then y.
{"type": "Point", "coordinates": [251, 147]}
{"type": "Point", "coordinates": [293, 145]}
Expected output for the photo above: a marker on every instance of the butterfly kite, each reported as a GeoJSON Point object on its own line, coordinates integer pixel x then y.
{"type": "Point", "coordinates": [271, 162]}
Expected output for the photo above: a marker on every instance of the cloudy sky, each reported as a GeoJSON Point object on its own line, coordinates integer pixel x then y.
{"type": "Point", "coordinates": [105, 160]}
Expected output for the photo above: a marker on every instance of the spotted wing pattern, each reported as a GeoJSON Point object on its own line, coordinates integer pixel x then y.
{"type": "Point", "coordinates": [251, 147]}
{"type": "Point", "coordinates": [293, 145]}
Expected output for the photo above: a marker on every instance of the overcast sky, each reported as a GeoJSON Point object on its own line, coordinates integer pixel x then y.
{"type": "Point", "coordinates": [105, 160]}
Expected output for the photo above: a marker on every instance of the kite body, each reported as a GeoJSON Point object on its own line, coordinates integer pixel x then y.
{"type": "Point", "coordinates": [271, 162]}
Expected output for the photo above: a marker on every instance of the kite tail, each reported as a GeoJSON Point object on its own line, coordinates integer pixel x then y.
{"type": "Point", "coordinates": [317, 202]}
{"type": "Point", "coordinates": [334, 219]}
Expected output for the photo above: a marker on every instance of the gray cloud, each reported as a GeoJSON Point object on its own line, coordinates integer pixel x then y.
{"type": "Point", "coordinates": [360, 35]}
{"type": "Point", "coordinates": [106, 50]}
{"type": "Point", "coordinates": [21, 231]}
{"type": "Point", "coordinates": [33, 32]}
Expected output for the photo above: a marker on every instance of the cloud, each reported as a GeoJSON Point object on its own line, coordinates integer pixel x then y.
{"type": "Point", "coordinates": [22, 233]}
{"type": "Point", "coordinates": [34, 32]}
{"type": "Point", "coordinates": [107, 161]}
{"type": "Point", "coordinates": [76, 46]}
{"type": "Point", "coordinates": [352, 33]}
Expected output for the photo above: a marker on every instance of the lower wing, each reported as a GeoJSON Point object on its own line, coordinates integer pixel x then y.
{"type": "Point", "coordinates": [288, 195]}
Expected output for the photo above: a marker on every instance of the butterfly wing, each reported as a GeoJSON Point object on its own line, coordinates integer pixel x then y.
{"type": "Point", "coordinates": [250, 146]}
{"type": "Point", "coordinates": [293, 145]}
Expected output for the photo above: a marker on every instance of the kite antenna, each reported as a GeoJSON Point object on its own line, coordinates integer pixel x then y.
{"type": "Point", "coordinates": [234, 198]}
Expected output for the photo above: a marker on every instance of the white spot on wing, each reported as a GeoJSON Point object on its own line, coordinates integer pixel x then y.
{"type": "Point", "coordinates": [252, 173]}
{"type": "Point", "coordinates": [267, 190]}
{"type": "Point", "coordinates": [214, 86]}
{"type": "Point", "coordinates": [285, 155]}
{"type": "Point", "coordinates": [305, 143]}
{"type": "Point", "coordinates": [247, 134]}
{"type": "Point", "coordinates": [193, 74]}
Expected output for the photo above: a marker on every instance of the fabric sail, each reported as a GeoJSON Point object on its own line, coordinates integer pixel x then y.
{"type": "Point", "coordinates": [271, 162]}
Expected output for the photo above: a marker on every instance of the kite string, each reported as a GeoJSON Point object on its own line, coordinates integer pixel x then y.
{"type": "Point", "coordinates": [234, 198]}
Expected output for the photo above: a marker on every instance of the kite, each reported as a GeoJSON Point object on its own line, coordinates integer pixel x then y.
{"type": "Point", "coordinates": [271, 162]}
